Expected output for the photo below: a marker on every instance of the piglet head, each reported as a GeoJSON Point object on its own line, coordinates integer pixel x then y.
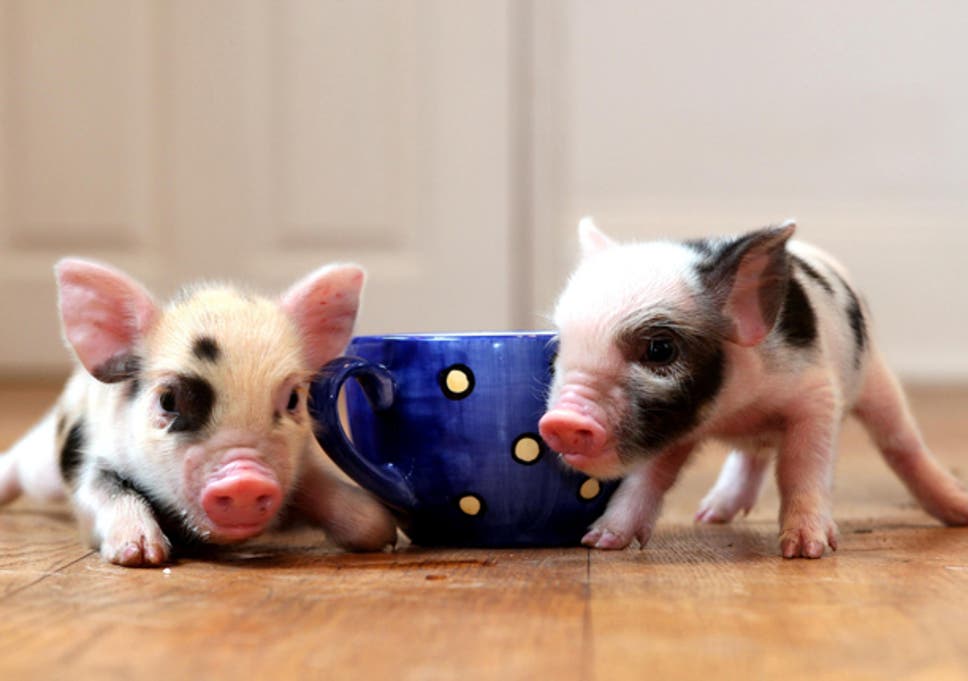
{"type": "Point", "coordinates": [647, 334]}
{"type": "Point", "coordinates": [213, 401]}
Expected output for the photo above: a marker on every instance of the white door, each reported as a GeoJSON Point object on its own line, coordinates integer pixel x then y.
{"type": "Point", "coordinates": [255, 141]}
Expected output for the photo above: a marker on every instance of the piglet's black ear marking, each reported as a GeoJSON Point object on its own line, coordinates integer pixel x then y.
{"type": "Point", "coordinates": [748, 278]}
{"type": "Point", "coordinates": [118, 368]}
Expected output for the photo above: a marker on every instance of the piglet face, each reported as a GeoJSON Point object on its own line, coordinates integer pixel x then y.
{"type": "Point", "coordinates": [214, 395]}
{"type": "Point", "coordinates": [645, 334]}
{"type": "Point", "coordinates": [630, 339]}
{"type": "Point", "coordinates": [221, 412]}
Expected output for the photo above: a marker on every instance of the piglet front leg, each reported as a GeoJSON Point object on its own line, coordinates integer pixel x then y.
{"type": "Point", "coordinates": [119, 521]}
{"type": "Point", "coordinates": [804, 472]}
{"type": "Point", "coordinates": [634, 508]}
{"type": "Point", "coordinates": [351, 517]}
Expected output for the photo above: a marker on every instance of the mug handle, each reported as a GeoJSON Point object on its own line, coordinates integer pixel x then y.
{"type": "Point", "coordinates": [383, 479]}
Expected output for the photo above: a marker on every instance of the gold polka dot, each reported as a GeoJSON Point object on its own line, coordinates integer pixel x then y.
{"type": "Point", "coordinates": [470, 504]}
{"type": "Point", "coordinates": [590, 489]}
{"type": "Point", "coordinates": [527, 449]}
{"type": "Point", "coordinates": [457, 381]}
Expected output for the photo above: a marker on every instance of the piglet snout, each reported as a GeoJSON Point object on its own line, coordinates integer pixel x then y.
{"type": "Point", "coordinates": [578, 431]}
{"type": "Point", "coordinates": [241, 500]}
{"type": "Point", "coordinates": [568, 432]}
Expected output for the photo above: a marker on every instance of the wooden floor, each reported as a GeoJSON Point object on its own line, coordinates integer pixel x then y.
{"type": "Point", "coordinates": [699, 602]}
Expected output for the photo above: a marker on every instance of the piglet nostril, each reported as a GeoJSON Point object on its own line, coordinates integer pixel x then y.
{"type": "Point", "coordinates": [582, 438]}
{"type": "Point", "coordinates": [224, 502]}
{"type": "Point", "coordinates": [264, 503]}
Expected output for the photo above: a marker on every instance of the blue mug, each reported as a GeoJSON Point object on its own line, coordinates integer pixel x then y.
{"type": "Point", "coordinates": [445, 432]}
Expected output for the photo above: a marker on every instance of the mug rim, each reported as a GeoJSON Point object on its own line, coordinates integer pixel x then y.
{"type": "Point", "coordinates": [456, 335]}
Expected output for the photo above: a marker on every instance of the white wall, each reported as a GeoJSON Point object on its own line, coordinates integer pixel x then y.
{"type": "Point", "coordinates": [674, 119]}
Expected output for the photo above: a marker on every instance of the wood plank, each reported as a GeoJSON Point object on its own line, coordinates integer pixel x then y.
{"type": "Point", "coordinates": [717, 601]}
{"type": "Point", "coordinates": [302, 609]}
{"type": "Point", "coordinates": [35, 542]}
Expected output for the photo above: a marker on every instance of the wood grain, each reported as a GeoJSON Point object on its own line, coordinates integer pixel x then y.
{"type": "Point", "coordinates": [698, 602]}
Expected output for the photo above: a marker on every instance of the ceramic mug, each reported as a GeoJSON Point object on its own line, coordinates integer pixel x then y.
{"type": "Point", "coordinates": [444, 430]}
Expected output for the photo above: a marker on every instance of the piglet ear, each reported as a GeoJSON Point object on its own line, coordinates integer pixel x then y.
{"type": "Point", "coordinates": [104, 314]}
{"type": "Point", "coordinates": [324, 305]}
{"type": "Point", "coordinates": [591, 238]}
{"type": "Point", "coordinates": [750, 278]}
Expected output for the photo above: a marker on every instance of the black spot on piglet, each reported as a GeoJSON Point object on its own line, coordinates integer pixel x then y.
{"type": "Point", "coordinates": [855, 317]}
{"type": "Point", "coordinates": [191, 399]}
{"type": "Point", "coordinates": [812, 272]}
{"type": "Point", "coordinates": [206, 349]}
{"type": "Point", "coordinates": [71, 454]}
{"type": "Point", "coordinates": [798, 322]}
{"type": "Point", "coordinates": [659, 419]}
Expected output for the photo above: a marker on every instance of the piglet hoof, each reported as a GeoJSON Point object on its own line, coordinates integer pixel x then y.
{"type": "Point", "coordinates": [373, 533]}
{"type": "Point", "coordinates": [147, 549]}
{"type": "Point", "coordinates": [610, 538]}
{"type": "Point", "coordinates": [954, 516]}
{"type": "Point", "coordinates": [10, 487]}
{"type": "Point", "coordinates": [713, 516]}
{"type": "Point", "coordinates": [720, 509]}
{"type": "Point", "coordinates": [361, 523]}
{"type": "Point", "coordinates": [948, 502]}
{"type": "Point", "coordinates": [602, 538]}
{"type": "Point", "coordinates": [808, 541]}
{"type": "Point", "coordinates": [621, 525]}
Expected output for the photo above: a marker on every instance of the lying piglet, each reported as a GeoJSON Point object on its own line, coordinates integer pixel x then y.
{"type": "Point", "coordinates": [757, 341]}
{"type": "Point", "coordinates": [189, 423]}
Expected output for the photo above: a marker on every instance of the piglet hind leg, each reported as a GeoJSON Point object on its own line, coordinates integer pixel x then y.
{"type": "Point", "coordinates": [10, 487]}
{"type": "Point", "coordinates": [737, 487]}
{"type": "Point", "coordinates": [634, 508]}
{"type": "Point", "coordinates": [30, 467]}
{"type": "Point", "coordinates": [883, 410]}
{"type": "Point", "coordinates": [351, 517]}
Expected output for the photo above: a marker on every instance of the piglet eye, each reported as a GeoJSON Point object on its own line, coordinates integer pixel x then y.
{"type": "Point", "coordinates": [167, 401]}
{"type": "Point", "coordinates": [660, 351]}
{"type": "Point", "coordinates": [293, 400]}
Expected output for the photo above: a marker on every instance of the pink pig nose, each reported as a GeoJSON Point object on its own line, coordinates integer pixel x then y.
{"type": "Point", "coordinates": [568, 432]}
{"type": "Point", "coordinates": [241, 503]}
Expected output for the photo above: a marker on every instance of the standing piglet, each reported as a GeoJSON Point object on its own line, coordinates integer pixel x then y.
{"type": "Point", "coordinates": [189, 423]}
{"type": "Point", "coordinates": [757, 341]}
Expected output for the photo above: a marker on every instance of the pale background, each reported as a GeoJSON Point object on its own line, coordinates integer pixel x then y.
{"type": "Point", "coordinates": [451, 146]}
